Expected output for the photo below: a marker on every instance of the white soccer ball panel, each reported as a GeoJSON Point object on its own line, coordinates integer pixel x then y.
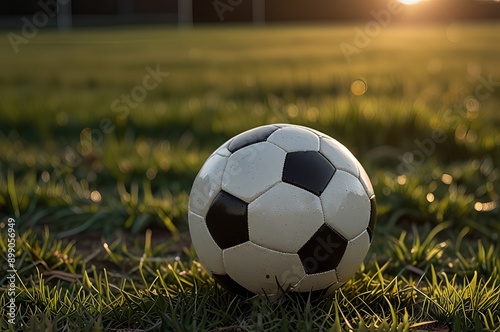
{"type": "Point", "coordinates": [208, 251]}
{"type": "Point", "coordinates": [317, 132]}
{"type": "Point", "coordinates": [260, 270]}
{"type": "Point", "coordinates": [346, 205]}
{"type": "Point", "coordinates": [284, 218]}
{"type": "Point", "coordinates": [318, 281]}
{"type": "Point", "coordinates": [339, 155]}
{"type": "Point", "coordinates": [252, 170]}
{"type": "Point", "coordinates": [365, 181]}
{"type": "Point", "coordinates": [207, 184]}
{"type": "Point", "coordinates": [353, 257]}
{"type": "Point", "coordinates": [223, 151]}
{"type": "Point", "coordinates": [292, 139]}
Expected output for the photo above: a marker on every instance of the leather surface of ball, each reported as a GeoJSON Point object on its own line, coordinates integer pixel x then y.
{"type": "Point", "coordinates": [282, 207]}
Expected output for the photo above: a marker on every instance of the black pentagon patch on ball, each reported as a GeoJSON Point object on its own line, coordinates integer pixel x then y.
{"type": "Point", "coordinates": [309, 170]}
{"type": "Point", "coordinates": [323, 252]}
{"type": "Point", "coordinates": [228, 283]}
{"type": "Point", "coordinates": [227, 220]}
{"type": "Point", "coordinates": [373, 217]}
{"type": "Point", "coordinates": [250, 137]}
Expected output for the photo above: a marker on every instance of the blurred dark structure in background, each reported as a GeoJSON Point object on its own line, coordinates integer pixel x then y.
{"type": "Point", "coordinates": [123, 12]}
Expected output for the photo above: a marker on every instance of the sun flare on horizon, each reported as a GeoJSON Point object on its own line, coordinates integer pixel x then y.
{"type": "Point", "coordinates": [409, 2]}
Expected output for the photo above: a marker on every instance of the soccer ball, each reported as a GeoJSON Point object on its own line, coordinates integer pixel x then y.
{"type": "Point", "coordinates": [282, 208]}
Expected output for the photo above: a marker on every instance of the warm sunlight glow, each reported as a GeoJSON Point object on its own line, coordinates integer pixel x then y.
{"type": "Point", "coordinates": [409, 2]}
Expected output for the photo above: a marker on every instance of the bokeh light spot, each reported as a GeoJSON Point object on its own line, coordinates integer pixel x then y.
{"type": "Point", "coordinates": [461, 132]}
{"type": "Point", "coordinates": [312, 114]}
{"type": "Point", "coordinates": [358, 87]}
{"type": "Point", "coordinates": [151, 173]}
{"type": "Point", "coordinates": [95, 196]}
{"type": "Point", "coordinates": [489, 206]}
{"type": "Point", "coordinates": [292, 110]}
{"type": "Point", "coordinates": [446, 178]}
{"type": "Point", "coordinates": [45, 176]}
{"type": "Point", "coordinates": [473, 106]}
{"type": "Point", "coordinates": [471, 137]}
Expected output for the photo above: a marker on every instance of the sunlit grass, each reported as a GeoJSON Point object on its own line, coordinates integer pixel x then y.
{"type": "Point", "coordinates": [142, 286]}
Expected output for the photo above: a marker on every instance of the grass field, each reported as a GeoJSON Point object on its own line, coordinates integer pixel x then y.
{"type": "Point", "coordinates": [98, 184]}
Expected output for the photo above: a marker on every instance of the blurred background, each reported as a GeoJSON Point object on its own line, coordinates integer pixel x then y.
{"type": "Point", "coordinates": [111, 12]}
{"type": "Point", "coordinates": [109, 108]}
